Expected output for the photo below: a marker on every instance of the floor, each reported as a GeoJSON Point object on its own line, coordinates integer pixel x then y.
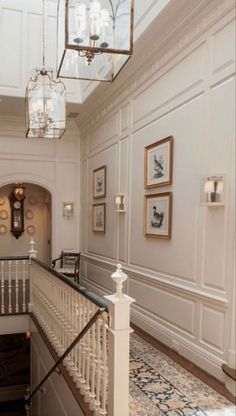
{"type": "Point", "coordinates": [161, 386]}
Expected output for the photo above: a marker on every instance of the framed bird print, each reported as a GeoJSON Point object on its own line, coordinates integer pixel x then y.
{"type": "Point", "coordinates": [158, 215]}
{"type": "Point", "coordinates": [158, 163]}
{"type": "Point", "coordinates": [99, 182]}
{"type": "Point", "coordinates": [99, 218]}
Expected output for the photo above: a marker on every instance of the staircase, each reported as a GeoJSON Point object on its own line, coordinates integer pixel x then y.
{"type": "Point", "coordinates": [13, 408]}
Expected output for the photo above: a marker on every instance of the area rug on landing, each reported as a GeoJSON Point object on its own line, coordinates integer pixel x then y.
{"type": "Point", "coordinates": [159, 386]}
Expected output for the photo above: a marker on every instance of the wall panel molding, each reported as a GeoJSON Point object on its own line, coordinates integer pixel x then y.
{"type": "Point", "coordinates": [166, 56]}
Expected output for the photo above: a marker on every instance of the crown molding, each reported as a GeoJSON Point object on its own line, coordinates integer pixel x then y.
{"type": "Point", "coordinates": [175, 29]}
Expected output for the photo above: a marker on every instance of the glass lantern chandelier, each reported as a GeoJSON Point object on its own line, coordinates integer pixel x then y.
{"type": "Point", "coordinates": [45, 101]}
{"type": "Point", "coordinates": [95, 38]}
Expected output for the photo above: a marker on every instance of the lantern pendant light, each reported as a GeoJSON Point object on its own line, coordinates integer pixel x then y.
{"type": "Point", "coordinates": [95, 38]}
{"type": "Point", "coordinates": [45, 101]}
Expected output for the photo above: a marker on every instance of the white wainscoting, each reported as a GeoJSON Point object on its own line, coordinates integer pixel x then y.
{"type": "Point", "coordinates": [182, 285]}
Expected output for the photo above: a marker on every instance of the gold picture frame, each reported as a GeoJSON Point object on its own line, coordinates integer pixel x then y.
{"type": "Point", "coordinates": [158, 163]}
{"type": "Point", "coordinates": [99, 182]}
{"type": "Point", "coordinates": [99, 218]}
{"type": "Point", "coordinates": [158, 215]}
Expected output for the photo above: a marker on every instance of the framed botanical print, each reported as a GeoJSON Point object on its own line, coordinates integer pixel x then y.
{"type": "Point", "coordinates": [158, 163]}
{"type": "Point", "coordinates": [158, 215]}
{"type": "Point", "coordinates": [99, 182]}
{"type": "Point", "coordinates": [99, 218]}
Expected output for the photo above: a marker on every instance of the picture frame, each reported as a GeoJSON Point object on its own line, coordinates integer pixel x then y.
{"type": "Point", "coordinates": [158, 163]}
{"type": "Point", "coordinates": [99, 218]}
{"type": "Point", "coordinates": [99, 182]}
{"type": "Point", "coordinates": [158, 215]}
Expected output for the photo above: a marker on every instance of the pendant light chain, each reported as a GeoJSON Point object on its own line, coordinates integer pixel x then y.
{"type": "Point", "coordinates": [44, 34]}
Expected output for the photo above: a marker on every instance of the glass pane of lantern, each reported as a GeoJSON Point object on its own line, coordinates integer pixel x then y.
{"type": "Point", "coordinates": [94, 38]}
{"type": "Point", "coordinates": [46, 112]}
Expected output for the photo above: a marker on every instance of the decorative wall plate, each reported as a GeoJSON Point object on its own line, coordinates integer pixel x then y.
{"type": "Point", "coordinates": [32, 200]}
{"type": "Point", "coordinates": [31, 229]}
{"type": "Point", "coordinates": [3, 229]}
{"type": "Point", "coordinates": [29, 214]}
{"type": "Point", "coordinates": [2, 200]}
{"type": "Point", "coordinates": [3, 214]}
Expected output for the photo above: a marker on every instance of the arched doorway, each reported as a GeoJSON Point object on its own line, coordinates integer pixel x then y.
{"type": "Point", "coordinates": [37, 222]}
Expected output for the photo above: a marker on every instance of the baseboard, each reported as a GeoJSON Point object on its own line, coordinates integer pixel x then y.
{"type": "Point", "coordinates": [187, 349]}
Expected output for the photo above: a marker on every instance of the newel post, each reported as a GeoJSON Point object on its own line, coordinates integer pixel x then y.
{"type": "Point", "coordinates": [32, 252]}
{"type": "Point", "coordinates": [118, 356]}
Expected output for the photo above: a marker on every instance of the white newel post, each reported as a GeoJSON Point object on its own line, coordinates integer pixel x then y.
{"type": "Point", "coordinates": [32, 252]}
{"type": "Point", "coordinates": [118, 356]}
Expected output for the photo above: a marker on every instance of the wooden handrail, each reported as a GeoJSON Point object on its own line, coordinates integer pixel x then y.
{"type": "Point", "coordinates": [5, 258]}
{"type": "Point", "coordinates": [100, 302]}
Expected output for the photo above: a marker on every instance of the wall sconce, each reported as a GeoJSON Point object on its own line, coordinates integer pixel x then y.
{"type": "Point", "coordinates": [213, 190]}
{"type": "Point", "coordinates": [68, 209]}
{"type": "Point", "coordinates": [119, 203]}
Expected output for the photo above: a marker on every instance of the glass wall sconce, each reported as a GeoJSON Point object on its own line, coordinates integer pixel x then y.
{"type": "Point", "coordinates": [213, 190]}
{"type": "Point", "coordinates": [68, 209]}
{"type": "Point", "coordinates": [95, 38]}
{"type": "Point", "coordinates": [119, 203]}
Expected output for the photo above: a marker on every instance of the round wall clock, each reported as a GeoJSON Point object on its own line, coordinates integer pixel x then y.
{"type": "Point", "coordinates": [3, 229]}
{"type": "Point", "coordinates": [31, 229]}
{"type": "Point", "coordinates": [3, 214]}
{"type": "Point", "coordinates": [29, 214]}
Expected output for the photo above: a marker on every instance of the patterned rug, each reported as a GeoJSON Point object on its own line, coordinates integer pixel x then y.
{"type": "Point", "coordinates": [159, 386]}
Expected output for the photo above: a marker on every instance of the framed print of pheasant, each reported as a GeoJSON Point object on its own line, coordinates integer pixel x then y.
{"type": "Point", "coordinates": [158, 163]}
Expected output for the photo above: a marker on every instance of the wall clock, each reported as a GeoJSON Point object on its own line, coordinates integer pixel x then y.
{"type": "Point", "coordinates": [17, 214]}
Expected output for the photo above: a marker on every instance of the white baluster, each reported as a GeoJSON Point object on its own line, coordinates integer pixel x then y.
{"type": "Point", "coordinates": [83, 352]}
{"type": "Point", "coordinates": [17, 286]}
{"type": "Point", "coordinates": [23, 286]}
{"type": "Point", "coordinates": [98, 369]}
{"type": "Point", "coordinates": [88, 349]}
{"type": "Point", "coordinates": [93, 366]}
{"type": "Point", "coordinates": [2, 287]}
{"type": "Point", "coordinates": [104, 363]}
{"type": "Point", "coordinates": [9, 288]}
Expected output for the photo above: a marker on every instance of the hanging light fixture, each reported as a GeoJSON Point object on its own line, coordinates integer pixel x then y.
{"type": "Point", "coordinates": [95, 38]}
{"type": "Point", "coordinates": [45, 101]}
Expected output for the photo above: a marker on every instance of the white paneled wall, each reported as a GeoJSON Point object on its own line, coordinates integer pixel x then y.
{"type": "Point", "coordinates": [52, 164]}
{"type": "Point", "coordinates": [182, 286]}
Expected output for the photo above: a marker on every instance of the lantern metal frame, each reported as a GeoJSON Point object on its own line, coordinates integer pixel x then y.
{"type": "Point", "coordinates": [44, 126]}
{"type": "Point", "coordinates": [92, 51]}
{"type": "Point", "coordinates": [44, 130]}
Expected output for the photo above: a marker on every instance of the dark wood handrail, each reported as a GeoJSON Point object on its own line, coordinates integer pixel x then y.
{"type": "Point", "coordinates": [64, 355]}
{"type": "Point", "coordinates": [100, 302]}
{"type": "Point", "coordinates": [5, 258]}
